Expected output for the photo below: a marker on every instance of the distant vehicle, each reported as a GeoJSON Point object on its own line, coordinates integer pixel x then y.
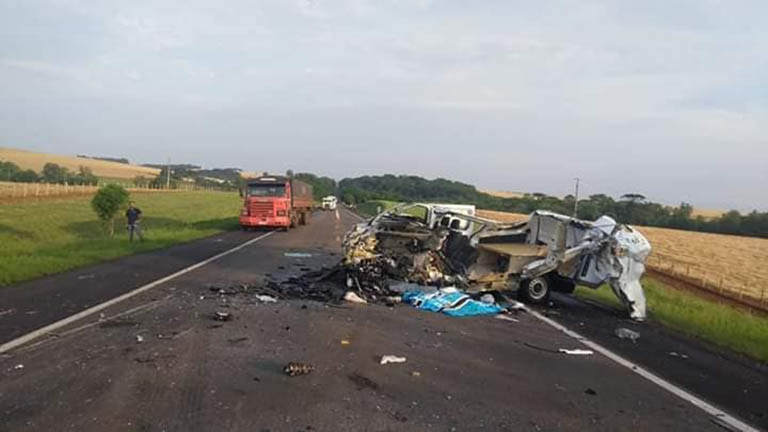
{"type": "Point", "coordinates": [276, 201]}
{"type": "Point", "coordinates": [329, 203]}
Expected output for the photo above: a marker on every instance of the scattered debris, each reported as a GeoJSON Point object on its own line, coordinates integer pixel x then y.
{"type": "Point", "coordinates": [237, 340]}
{"type": "Point", "coordinates": [297, 255]}
{"type": "Point", "coordinates": [590, 392]}
{"type": "Point", "coordinates": [576, 351]}
{"type": "Point", "coordinates": [506, 318]}
{"type": "Point", "coordinates": [488, 299]}
{"type": "Point", "coordinates": [86, 276]}
{"type": "Point", "coordinates": [139, 338]}
{"type": "Point", "coordinates": [6, 312]}
{"type": "Point", "coordinates": [352, 297]}
{"type": "Point", "coordinates": [19, 366]}
{"type": "Point", "coordinates": [392, 359]}
{"type": "Point", "coordinates": [112, 323]}
{"type": "Point", "coordinates": [679, 355]}
{"type": "Point", "coordinates": [222, 316]}
{"type": "Point", "coordinates": [266, 299]}
{"type": "Point", "coordinates": [295, 369]}
{"type": "Point", "coordinates": [344, 342]}
{"type": "Point", "coordinates": [625, 333]}
{"type": "Point", "coordinates": [448, 246]}
{"type": "Point", "coordinates": [416, 373]}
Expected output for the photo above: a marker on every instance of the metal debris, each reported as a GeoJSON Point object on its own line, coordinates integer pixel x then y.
{"type": "Point", "coordinates": [295, 369]}
{"type": "Point", "coordinates": [352, 297]}
{"type": "Point", "coordinates": [507, 318]}
{"type": "Point", "coordinates": [222, 316]}
{"type": "Point", "coordinates": [576, 351]}
{"type": "Point", "coordinates": [625, 333]}
{"type": "Point", "coordinates": [392, 359]}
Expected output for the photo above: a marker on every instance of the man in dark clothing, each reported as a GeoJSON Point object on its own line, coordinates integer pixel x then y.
{"type": "Point", "coordinates": [133, 214]}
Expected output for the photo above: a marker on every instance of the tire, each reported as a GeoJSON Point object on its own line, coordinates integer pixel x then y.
{"type": "Point", "coordinates": [303, 218]}
{"type": "Point", "coordinates": [535, 291]}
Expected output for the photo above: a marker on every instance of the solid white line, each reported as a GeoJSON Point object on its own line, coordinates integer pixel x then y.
{"type": "Point", "coordinates": [710, 409]}
{"type": "Point", "coordinates": [21, 340]}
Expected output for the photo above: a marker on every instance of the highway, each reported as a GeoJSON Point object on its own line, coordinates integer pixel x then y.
{"type": "Point", "coordinates": [157, 361]}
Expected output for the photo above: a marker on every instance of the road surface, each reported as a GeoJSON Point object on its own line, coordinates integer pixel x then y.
{"type": "Point", "coordinates": [164, 365]}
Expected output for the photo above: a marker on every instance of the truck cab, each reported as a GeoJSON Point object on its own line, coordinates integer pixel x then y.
{"type": "Point", "coordinates": [329, 203]}
{"type": "Point", "coordinates": [275, 201]}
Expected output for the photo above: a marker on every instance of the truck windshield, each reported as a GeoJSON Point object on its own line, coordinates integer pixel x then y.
{"type": "Point", "coordinates": [266, 190]}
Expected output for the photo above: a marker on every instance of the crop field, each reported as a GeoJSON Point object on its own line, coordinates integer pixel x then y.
{"type": "Point", "coordinates": [733, 266]}
{"type": "Point", "coordinates": [50, 236]}
{"type": "Point", "coordinates": [104, 169]}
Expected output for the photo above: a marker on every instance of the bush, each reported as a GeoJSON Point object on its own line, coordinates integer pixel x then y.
{"type": "Point", "coordinates": [107, 202]}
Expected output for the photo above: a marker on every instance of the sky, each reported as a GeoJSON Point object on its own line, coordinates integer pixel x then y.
{"type": "Point", "coordinates": [664, 98]}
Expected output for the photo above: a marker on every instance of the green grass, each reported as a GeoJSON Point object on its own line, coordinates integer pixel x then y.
{"type": "Point", "coordinates": [719, 324]}
{"type": "Point", "coordinates": [50, 236]}
{"type": "Point", "coordinates": [369, 208]}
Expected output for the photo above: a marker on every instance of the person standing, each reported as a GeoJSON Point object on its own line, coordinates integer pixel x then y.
{"type": "Point", "coordinates": [133, 214]}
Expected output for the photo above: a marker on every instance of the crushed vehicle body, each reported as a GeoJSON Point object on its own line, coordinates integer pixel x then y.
{"type": "Point", "coordinates": [446, 245]}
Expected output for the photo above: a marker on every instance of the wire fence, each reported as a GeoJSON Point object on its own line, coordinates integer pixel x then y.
{"type": "Point", "coordinates": [716, 283]}
{"type": "Point", "coordinates": [22, 191]}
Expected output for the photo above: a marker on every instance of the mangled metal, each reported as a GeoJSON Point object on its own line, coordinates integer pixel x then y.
{"type": "Point", "coordinates": [440, 246]}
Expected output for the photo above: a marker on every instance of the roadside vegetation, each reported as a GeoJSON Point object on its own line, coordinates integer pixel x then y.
{"type": "Point", "coordinates": [719, 324]}
{"type": "Point", "coordinates": [46, 237]}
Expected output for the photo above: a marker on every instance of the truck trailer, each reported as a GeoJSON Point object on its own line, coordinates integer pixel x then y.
{"type": "Point", "coordinates": [276, 202]}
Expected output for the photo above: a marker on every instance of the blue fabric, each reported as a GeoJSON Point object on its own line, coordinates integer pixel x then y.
{"type": "Point", "coordinates": [452, 303]}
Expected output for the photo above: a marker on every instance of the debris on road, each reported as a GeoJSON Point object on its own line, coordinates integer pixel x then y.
{"type": "Point", "coordinates": [222, 316]}
{"type": "Point", "coordinates": [139, 338]}
{"type": "Point", "coordinates": [625, 333]}
{"type": "Point", "coordinates": [295, 369]}
{"type": "Point", "coordinates": [506, 318]}
{"type": "Point", "coordinates": [344, 342]}
{"type": "Point", "coordinates": [590, 392]}
{"type": "Point", "coordinates": [19, 366]}
{"type": "Point", "coordinates": [576, 351]}
{"type": "Point", "coordinates": [678, 355]}
{"type": "Point", "coordinates": [297, 255]}
{"type": "Point", "coordinates": [451, 302]}
{"type": "Point", "coordinates": [444, 245]}
{"type": "Point", "coordinates": [392, 359]}
{"type": "Point", "coordinates": [86, 276]}
{"type": "Point", "coordinates": [352, 297]}
{"type": "Point", "coordinates": [265, 298]}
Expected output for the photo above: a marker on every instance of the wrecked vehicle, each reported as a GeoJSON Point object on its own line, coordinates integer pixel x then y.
{"type": "Point", "coordinates": [437, 245]}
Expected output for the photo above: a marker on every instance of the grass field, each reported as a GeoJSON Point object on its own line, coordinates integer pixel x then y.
{"type": "Point", "coordinates": [102, 169]}
{"type": "Point", "coordinates": [45, 237]}
{"type": "Point", "coordinates": [719, 324]}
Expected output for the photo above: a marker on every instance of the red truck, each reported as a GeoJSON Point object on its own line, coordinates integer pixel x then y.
{"type": "Point", "coordinates": [276, 201]}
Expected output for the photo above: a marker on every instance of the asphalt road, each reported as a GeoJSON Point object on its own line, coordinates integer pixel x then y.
{"type": "Point", "coordinates": [165, 365]}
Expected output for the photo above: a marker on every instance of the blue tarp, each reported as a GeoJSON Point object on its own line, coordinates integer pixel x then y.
{"type": "Point", "coordinates": [451, 302]}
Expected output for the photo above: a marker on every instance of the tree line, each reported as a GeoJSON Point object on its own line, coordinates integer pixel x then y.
{"type": "Point", "coordinates": [51, 173]}
{"type": "Point", "coordinates": [630, 208]}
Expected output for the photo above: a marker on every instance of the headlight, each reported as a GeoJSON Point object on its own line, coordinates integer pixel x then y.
{"type": "Point", "coordinates": [281, 212]}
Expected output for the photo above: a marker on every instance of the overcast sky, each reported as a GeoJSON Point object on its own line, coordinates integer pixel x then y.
{"type": "Point", "coordinates": [665, 98]}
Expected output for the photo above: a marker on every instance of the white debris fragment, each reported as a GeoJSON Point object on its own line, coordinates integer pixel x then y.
{"type": "Point", "coordinates": [576, 351]}
{"type": "Point", "coordinates": [516, 305]}
{"type": "Point", "coordinates": [19, 366]}
{"type": "Point", "coordinates": [352, 297]}
{"type": "Point", "coordinates": [625, 333]}
{"type": "Point", "coordinates": [266, 299]}
{"type": "Point", "coordinates": [487, 298]}
{"type": "Point", "coordinates": [139, 338]}
{"type": "Point", "coordinates": [392, 359]}
{"type": "Point", "coordinates": [297, 255]}
{"type": "Point", "coordinates": [507, 318]}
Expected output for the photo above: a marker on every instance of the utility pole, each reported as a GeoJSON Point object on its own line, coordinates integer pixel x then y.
{"type": "Point", "coordinates": [168, 174]}
{"type": "Point", "coordinates": [576, 200]}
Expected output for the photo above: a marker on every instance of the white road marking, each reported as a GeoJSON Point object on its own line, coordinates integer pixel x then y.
{"type": "Point", "coordinates": [710, 409]}
{"type": "Point", "coordinates": [337, 214]}
{"type": "Point", "coordinates": [21, 340]}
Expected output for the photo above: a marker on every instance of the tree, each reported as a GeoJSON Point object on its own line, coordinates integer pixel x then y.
{"type": "Point", "coordinates": [8, 170]}
{"type": "Point", "coordinates": [633, 197]}
{"type": "Point", "coordinates": [27, 176]}
{"type": "Point", "coordinates": [53, 173]}
{"type": "Point", "coordinates": [107, 202]}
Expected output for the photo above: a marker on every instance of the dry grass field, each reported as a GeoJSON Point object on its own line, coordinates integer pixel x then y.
{"type": "Point", "coordinates": [36, 161]}
{"type": "Point", "coordinates": [732, 265]}
{"type": "Point", "coordinates": [502, 194]}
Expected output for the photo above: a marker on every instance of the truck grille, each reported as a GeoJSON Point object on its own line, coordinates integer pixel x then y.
{"type": "Point", "coordinates": [262, 208]}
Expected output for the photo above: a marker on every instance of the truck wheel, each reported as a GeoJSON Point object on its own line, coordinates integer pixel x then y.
{"type": "Point", "coordinates": [535, 290]}
{"type": "Point", "coordinates": [303, 218]}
